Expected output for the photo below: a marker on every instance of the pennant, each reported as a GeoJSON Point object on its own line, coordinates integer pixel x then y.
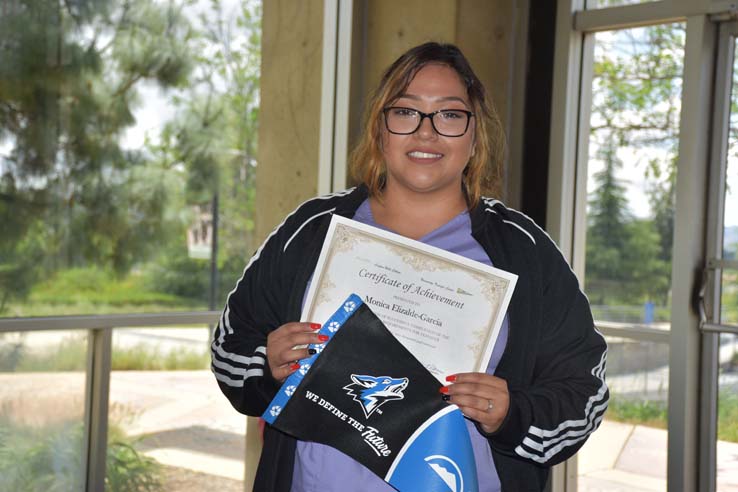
{"type": "Point", "coordinates": [367, 396]}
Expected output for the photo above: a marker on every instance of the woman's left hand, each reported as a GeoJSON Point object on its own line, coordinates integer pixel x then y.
{"type": "Point", "coordinates": [480, 397]}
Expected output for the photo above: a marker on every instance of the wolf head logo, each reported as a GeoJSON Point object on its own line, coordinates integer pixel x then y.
{"type": "Point", "coordinates": [373, 392]}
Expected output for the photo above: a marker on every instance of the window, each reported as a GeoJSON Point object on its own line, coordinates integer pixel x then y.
{"type": "Point", "coordinates": [126, 162]}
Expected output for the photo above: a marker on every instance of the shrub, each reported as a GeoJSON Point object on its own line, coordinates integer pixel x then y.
{"type": "Point", "coordinates": [50, 460]}
{"type": "Point", "coordinates": [179, 275]}
{"type": "Point", "coordinates": [70, 355]}
{"type": "Point", "coordinates": [641, 412]}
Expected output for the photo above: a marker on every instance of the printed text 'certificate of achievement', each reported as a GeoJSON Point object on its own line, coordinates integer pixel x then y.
{"type": "Point", "coordinates": [446, 309]}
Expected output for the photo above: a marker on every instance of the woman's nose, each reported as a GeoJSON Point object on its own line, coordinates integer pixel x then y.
{"type": "Point", "coordinates": [426, 130]}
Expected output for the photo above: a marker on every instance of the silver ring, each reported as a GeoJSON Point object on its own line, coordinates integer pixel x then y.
{"type": "Point", "coordinates": [490, 406]}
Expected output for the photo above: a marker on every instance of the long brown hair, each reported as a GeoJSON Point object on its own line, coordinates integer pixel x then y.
{"type": "Point", "coordinates": [482, 174]}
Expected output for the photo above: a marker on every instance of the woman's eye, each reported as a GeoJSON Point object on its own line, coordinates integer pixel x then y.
{"type": "Point", "coordinates": [404, 112]}
{"type": "Point", "coordinates": [451, 115]}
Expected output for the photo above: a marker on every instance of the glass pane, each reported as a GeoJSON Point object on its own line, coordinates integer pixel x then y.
{"type": "Point", "coordinates": [169, 422]}
{"type": "Point", "coordinates": [729, 301]}
{"type": "Point", "coordinates": [628, 451]}
{"type": "Point", "coordinates": [42, 392]}
{"type": "Point", "coordinates": [727, 445]}
{"type": "Point", "coordinates": [633, 145]}
{"type": "Point", "coordinates": [127, 144]}
{"type": "Point", "coordinates": [599, 4]}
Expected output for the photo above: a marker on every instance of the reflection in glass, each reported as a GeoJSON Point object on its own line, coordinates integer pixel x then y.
{"type": "Point", "coordinates": [42, 391]}
{"type": "Point", "coordinates": [727, 444]}
{"type": "Point", "coordinates": [628, 451]}
{"type": "Point", "coordinates": [123, 155]}
{"type": "Point", "coordinates": [167, 413]}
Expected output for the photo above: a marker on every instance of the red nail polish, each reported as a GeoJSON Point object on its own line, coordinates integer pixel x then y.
{"type": "Point", "coordinates": [315, 326]}
{"type": "Point", "coordinates": [295, 366]}
{"type": "Point", "coordinates": [444, 389]}
{"type": "Point", "coordinates": [323, 338]}
{"type": "Point", "coordinates": [451, 378]}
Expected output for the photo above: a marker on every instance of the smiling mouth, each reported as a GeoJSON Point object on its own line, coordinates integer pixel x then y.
{"type": "Point", "coordinates": [423, 155]}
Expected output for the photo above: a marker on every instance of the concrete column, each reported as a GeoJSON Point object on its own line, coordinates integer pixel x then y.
{"type": "Point", "coordinates": [289, 114]}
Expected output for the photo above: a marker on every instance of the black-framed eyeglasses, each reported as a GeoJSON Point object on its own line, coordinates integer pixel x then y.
{"type": "Point", "coordinates": [446, 122]}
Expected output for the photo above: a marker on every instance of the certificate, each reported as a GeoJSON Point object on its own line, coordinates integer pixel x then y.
{"type": "Point", "coordinates": [445, 309]}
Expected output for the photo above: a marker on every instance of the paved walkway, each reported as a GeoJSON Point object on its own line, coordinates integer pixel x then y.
{"type": "Point", "coordinates": [632, 458]}
{"type": "Point", "coordinates": [185, 421]}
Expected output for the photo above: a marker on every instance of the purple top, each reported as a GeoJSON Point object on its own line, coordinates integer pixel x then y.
{"type": "Point", "coordinates": [321, 468]}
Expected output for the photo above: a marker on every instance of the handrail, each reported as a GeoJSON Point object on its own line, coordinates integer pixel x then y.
{"type": "Point", "coordinates": [633, 331]}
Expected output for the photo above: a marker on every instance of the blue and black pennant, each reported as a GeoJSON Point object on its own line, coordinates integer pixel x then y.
{"type": "Point", "coordinates": [366, 395]}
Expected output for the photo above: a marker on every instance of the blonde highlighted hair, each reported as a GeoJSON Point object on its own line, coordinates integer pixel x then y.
{"type": "Point", "coordinates": [482, 175]}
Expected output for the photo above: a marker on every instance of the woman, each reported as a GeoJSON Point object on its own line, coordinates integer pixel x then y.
{"type": "Point", "coordinates": [423, 163]}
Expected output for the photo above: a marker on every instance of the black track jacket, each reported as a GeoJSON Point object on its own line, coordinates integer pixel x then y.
{"type": "Point", "coordinates": [554, 361]}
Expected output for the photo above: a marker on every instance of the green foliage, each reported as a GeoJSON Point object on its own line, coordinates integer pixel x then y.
{"type": "Point", "coordinates": [130, 471]}
{"type": "Point", "coordinates": [178, 274]}
{"type": "Point", "coordinates": [49, 460]}
{"type": "Point", "coordinates": [70, 193]}
{"type": "Point", "coordinates": [71, 355]}
{"type": "Point", "coordinates": [641, 412]}
{"type": "Point", "coordinates": [96, 286]}
{"type": "Point", "coordinates": [215, 132]}
{"type": "Point", "coordinates": [655, 414]}
{"type": "Point", "coordinates": [728, 416]}
{"type": "Point", "coordinates": [142, 357]}
{"type": "Point", "coordinates": [635, 113]}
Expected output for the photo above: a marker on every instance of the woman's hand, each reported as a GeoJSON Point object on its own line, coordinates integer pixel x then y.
{"type": "Point", "coordinates": [480, 397]}
{"type": "Point", "coordinates": [282, 347]}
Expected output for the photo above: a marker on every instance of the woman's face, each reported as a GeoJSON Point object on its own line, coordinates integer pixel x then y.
{"type": "Point", "coordinates": [424, 161]}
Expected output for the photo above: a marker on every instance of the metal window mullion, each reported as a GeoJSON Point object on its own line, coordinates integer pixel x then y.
{"type": "Point", "coordinates": [688, 256]}
{"type": "Point", "coordinates": [565, 108]}
{"type": "Point", "coordinates": [716, 204]}
{"type": "Point", "coordinates": [328, 96]}
{"type": "Point", "coordinates": [342, 95]}
{"type": "Point", "coordinates": [579, 234]}
{"type": "Point", "coordinates": [628, 16]}
{"type": "Point", "coordinates": [97, 394]}
{"type": "Point", "coordinates": [562, 175]}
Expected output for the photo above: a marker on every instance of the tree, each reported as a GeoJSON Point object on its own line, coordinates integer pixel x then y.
{"type": "Point", "coordinates": [607, 230]}
{"type": "Point", "coordinates": [635, 113]}
{"type": "Point", "coordinates": [69, 72]}
{"type": "Point", "coordinates": [214, 135]}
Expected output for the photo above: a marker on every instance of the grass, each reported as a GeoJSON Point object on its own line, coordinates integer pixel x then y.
{"type": "Point", "coordinates": [94, 291]}
{"type": "Point", "coordinates": [71, 355]}
{"type": "Point", "coordinates": [640, 412]}
{"type": "Point", "coordinates": [144, 358]}
{"type": "Point", "coordinates": [655, 414]}
{"type": "Point", "coordinates": [728, 417]}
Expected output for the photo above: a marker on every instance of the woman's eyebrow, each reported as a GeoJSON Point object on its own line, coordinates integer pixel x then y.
{"type": "Point", "coordinates": [438, 99]}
